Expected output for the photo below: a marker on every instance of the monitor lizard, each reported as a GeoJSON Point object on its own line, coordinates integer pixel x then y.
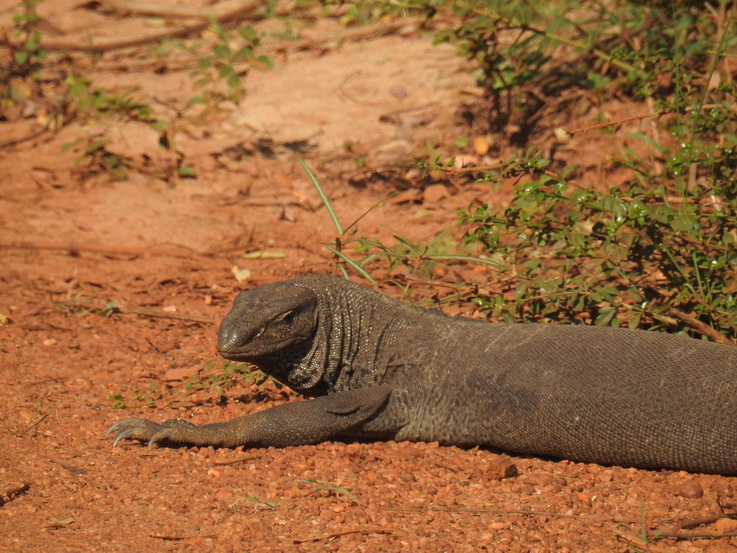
{"type": "Point", "coordinates": [379, 369]}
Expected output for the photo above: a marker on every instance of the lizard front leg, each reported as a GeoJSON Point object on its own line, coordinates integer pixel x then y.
{"type": "Point", "coordinates": [300, 423]}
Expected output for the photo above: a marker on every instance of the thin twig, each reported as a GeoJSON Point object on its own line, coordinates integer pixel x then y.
{"type": "Point", "coordinates": [692, 523]}
{"type": "Point", "coordinates": [611, 123]}
{"type": "Point", "coordinates": [126, 310]}
{"type": "Point", "coordinates": [697, 535]}
{"type": "Point", "coordinates": [345, 533]}
{"type": "Point", "coordinates": [162, 314]}
{"type": "Point", "coordinates": [242, 460]}
{"type": "Point", "coordinates": [480, 168]}
{"type": "Point", "coordinates": [182, 538]}
{"type": "Point", "coordinates": [632, 118]}
{"type": "Point", "coordinates": [494, 512]}
{"type": "Point", "coordinates": [74, 249]}
{"type": "Point", "coordinates": [18, 141]}
{"type": "Point", "coordinates": [642, 546]}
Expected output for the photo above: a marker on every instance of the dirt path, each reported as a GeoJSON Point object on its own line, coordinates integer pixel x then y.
{"type": "Point", "coordinates": [165, 251]}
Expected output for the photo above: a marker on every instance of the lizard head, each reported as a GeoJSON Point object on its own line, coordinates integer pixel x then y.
{"type": "Point", "coordinates": [268, 323]}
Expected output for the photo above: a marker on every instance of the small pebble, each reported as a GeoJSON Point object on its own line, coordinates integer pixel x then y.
{"type": "Point", "coordinates": [690, 489]}
{"type": "Point", "coordinates": [724, 525]}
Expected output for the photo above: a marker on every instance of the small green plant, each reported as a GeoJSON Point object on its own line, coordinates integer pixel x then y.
{"type": "Point", "coordinates": [28, 54]}
{"type": "Point", "coordinates": [20, 79]}
{"type": "Point", "coordinates": [229, 375]}
{"type": "Point", "coordinates": [642, 535]}
{"type": "Point", "coordinates": [97, 105]}
{"type": "Point", "coordinates": [31, 425]}
{"type": "Point", "coordinates": [94, 157]}
{"type": "Point", "coordinates": [629, 256]}
{"type": "Point", "coordinates": [96, 102]}
{"type": "Point", "coordinates": [331, 488]}
{"type": "Point", "coordinates": [216, 381]}
{"type": "Point", "coordinates": [233, 55]}
{"type": "Point", "coordinates": [420, 256]}
{"type": "Point", "coordinates": [80, 304]}
{"type": "Point", "coordinates": [258, 504]}
{"type": "Point", "coordinates": [147, 397]}
{"type": "Point", "coordinates": [318, 487]}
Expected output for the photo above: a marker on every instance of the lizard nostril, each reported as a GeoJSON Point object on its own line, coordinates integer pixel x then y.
{"type": "Point", "coordinates": [227, 339]}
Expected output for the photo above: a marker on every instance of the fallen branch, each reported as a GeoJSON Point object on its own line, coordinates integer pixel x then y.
{"type": "Point", "coordinates": [220, 15]}
{"type": "Point", "coordinates": [18, 141]}
{"type": "Point", "coordinates": [703, 328]}
{"type": "Point", "coordinates": [363, 33]}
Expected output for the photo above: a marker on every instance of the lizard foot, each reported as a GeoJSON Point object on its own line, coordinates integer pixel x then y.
{"type": "Point", "coordinates": [146, 430]}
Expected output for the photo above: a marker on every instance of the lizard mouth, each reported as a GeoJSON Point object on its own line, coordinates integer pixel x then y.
{"type": "Point", "coordinates": [233, 355]}
{"type": "Point", "coordinates": [247, 352]}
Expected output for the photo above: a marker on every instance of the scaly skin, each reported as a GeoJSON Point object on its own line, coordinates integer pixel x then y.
{"type": "Point", "coordinates": [380, 369]}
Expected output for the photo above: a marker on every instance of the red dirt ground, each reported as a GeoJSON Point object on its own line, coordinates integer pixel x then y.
{"type": "Point", "coordinates": [165, 249]}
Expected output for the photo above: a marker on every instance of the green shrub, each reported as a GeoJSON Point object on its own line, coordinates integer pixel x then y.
{"type": "Point", "coordinates": [627, 256]}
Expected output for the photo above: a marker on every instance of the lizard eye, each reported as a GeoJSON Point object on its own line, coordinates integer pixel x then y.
{"type": "Point", "coordinates": [288, 318]}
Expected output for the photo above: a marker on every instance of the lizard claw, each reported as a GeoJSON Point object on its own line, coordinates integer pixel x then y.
{"type": "Point", "coordinates": [141, 429]}
{"type": "Point", "coordinates": [122, 435]}
{"type": "Point", "coordinates": [146, 430]}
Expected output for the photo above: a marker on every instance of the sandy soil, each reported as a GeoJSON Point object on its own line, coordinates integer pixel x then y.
{"type": "Point", "coordinates": [165, 249]}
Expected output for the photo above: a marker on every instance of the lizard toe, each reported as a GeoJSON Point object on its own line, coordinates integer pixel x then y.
{"type": "Point", "coordinates": [141, 429]}
{"type": "Point", "coordinates": [172, 430]}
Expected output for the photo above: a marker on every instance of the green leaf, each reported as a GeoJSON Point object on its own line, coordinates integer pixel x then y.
{"type": "Point", "coordinates": [187, 171]}
{"type": "Point", "coordinates": [244, 54]}
{"type": "Point", "coordinates": [234, 83]}
{"type": "Point", "coordinates": [635, 320]}
{"type": "Point", "coordinates": [605, 316]}
{"type": "Point", "coordinates": [196, 100]}
{"type": "Point", "coordinates": [533, 263]}
{"type": "Point", "coordinates": [222, 52]}
{"type": "Point", "coordinates": [249, 33]}
{"type": "Point", "coordinates": [265, 61]}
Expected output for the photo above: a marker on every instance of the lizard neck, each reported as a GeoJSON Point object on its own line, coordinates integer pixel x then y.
{"type": "Point", "coordinates": [355, 325]}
